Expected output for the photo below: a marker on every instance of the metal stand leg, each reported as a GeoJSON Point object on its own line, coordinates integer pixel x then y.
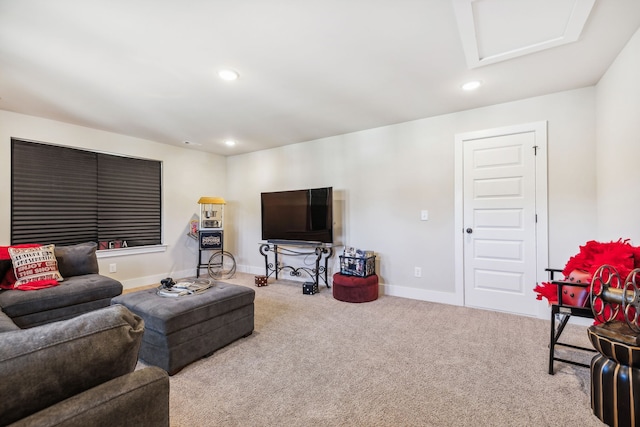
{"type": "Point", "coordinates": [552, 339]}
{"type": "Point", "coordinates": [555, 334]}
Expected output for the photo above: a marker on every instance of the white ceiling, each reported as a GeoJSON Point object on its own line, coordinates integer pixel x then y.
{"type": "Point", "coordinates": [308, 68]}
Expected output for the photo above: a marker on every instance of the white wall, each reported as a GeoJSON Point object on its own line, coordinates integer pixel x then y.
{"type": "Point", "coordinates": [618, 147]}
{"type": "Point", "coordinates": [187, 175]}
{"type": "Point", "coordinates": [383, 177]}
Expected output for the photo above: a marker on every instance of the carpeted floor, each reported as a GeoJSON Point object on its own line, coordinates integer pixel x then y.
{"type": "Point", "coordinates": [316, 361]}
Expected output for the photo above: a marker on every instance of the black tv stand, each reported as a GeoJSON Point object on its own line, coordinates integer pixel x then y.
{"type": "Point", "coordinates": [286, 248]}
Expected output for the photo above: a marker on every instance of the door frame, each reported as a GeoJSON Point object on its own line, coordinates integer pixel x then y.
{"type": "Point", "coordinates": [542, 224]}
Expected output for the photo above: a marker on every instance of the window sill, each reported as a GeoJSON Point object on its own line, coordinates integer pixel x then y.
{"type": "Point", "coordinates": [108, 253]}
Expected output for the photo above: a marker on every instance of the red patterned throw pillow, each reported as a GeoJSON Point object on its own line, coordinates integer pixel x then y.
{"type": "Point", "coordinates": [34, 267]}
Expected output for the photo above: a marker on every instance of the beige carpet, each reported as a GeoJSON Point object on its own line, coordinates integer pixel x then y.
{"type": "Point", "coordinates": [316, 361]}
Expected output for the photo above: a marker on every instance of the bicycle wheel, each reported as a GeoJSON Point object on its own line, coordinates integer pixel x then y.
{"type": "Point", "coordinates": [222, 265]}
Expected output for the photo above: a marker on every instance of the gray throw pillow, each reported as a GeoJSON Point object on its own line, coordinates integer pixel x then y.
{"type": "Point", "coordinates": [47, 364]}
{"type": "Point", "coordinates": [76, 260]}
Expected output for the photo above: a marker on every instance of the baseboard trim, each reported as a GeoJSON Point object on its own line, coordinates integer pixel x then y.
{"type": "Point", "coordinates": [385, 289]}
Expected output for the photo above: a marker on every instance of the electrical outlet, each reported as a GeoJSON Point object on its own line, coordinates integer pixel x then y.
{"type": "Point", "coordinates": [424, 215]}
{"type": "Point", "coordinates": [112, 268]}
{"type": "Point", "coordinates": [417, 272]}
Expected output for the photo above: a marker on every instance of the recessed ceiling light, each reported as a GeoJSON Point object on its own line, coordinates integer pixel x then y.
{"type": "Point", "coordinates": [230, 142]}
{"type": "Point", "coordinates": [228, 75]}
{"type": "Point", "coordinates": [472, 85]}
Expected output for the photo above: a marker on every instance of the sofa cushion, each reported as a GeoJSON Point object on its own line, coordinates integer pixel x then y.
{"type": "Point", "coordinates": [140, 398]}
{"type": "Point", "coordinates": [73, 291]}
{"type": "Point", "coordinates": [76, 260]}
{"type": "Point", "coordinates": [35, 267]}
{"type": "Point", "coordinates": [44, 365]}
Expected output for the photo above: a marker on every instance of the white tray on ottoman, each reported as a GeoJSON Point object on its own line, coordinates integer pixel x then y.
{"type": "Point", "coordinates": [181, 330]}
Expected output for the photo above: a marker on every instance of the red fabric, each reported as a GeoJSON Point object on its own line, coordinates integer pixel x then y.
{"type": "Point", "coordinates": [9, 279]}
{"type": "Point", "coordinates": [620, 255]}
{"type": "Point", "coordinates": [38, 284]}
{"type": "Point", "coordinates": [355, 289]}
{"type": "Point", "coordinates": [4, 250]}
{"type": "Point", "coordinates": [547, 290]}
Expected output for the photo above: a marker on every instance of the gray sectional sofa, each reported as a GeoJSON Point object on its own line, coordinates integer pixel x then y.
{"type": "Point", "coordinates": [68, 357]}
{"type": "Point", "coordinates": [80, 372]}
{"type": "Point", "coordinates": [82, 290]}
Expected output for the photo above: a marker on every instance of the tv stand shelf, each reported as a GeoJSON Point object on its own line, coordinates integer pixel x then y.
{"type": "Point", "coordinates": [320, 251]}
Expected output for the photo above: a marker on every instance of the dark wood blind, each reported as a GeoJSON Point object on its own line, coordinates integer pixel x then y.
{"type": "Point", "coordinates": [64, 196]}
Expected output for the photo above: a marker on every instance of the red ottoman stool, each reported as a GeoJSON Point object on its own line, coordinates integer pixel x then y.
{"type": "Point", "coordinates": [355, 289]}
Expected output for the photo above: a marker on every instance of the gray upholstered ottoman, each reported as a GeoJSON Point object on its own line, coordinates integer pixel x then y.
{"type": "Point", "coordinates": [180, 330]}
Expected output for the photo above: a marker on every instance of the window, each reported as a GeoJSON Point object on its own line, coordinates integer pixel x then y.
{"type": "Point", "coordinates": [64, 196]}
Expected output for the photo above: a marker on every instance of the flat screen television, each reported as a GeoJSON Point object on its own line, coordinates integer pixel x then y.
{"type": "Point", "coordinates": [302, 216]}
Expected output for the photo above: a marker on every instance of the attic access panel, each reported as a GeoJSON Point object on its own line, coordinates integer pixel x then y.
{"type": "Point", "coordinates": [497, 30]}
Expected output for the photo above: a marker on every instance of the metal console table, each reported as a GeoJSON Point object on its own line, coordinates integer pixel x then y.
{"type": "Point", "coordinates": [321, 252]}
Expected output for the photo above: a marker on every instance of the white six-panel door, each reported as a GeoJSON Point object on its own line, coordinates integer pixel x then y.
{"type": "Point", "coordinates": [500, 218]}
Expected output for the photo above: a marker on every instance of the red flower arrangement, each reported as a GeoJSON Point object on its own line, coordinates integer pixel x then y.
{"type": "Point", "coordinates": [621, 255]}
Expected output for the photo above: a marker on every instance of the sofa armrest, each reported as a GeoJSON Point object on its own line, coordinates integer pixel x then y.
{"type": "Point", "coordinates": [6, 324]}
{"type": "Point", "coordinates": [42, 366]}
{"type": "Point", "coordinates": [137, 399]}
